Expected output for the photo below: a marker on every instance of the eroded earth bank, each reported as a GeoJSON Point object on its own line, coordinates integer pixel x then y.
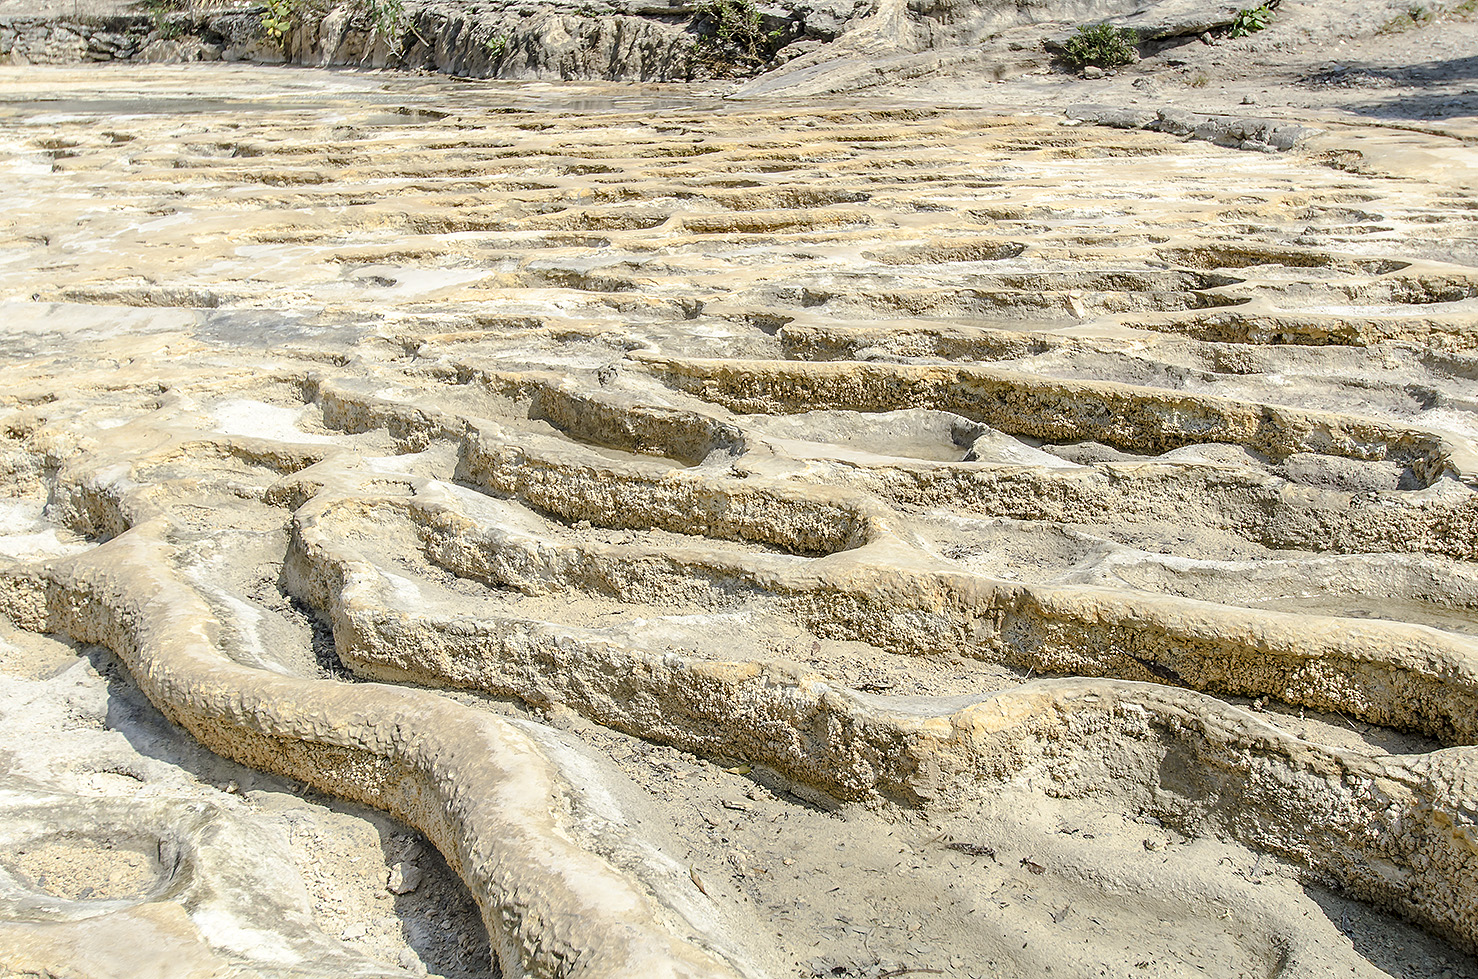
{"type": "Point", "coordinates": [604, 532]}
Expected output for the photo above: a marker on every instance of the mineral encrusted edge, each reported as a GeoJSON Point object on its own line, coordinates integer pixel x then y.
{"type": "Point", "coordinates": [482, 789]}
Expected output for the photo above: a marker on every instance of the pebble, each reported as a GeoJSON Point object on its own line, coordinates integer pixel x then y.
{"type": "Point", "coordinates": [404, 878]}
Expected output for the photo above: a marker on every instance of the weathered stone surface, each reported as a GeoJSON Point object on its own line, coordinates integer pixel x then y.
{"type": "Point", "coordinates": [405, 877]}
{"type": "Point", "coordinates": [1239, 133]}
{"type": "Point", "coordinates": [1115, 116]}
{"type": "Point", "coordinates": [619, 490]}
{"type": "Point", "coordinates": [637, 41]}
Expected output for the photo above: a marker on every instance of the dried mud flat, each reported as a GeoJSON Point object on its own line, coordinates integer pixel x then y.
{"type": "Point", "coordinates": [847, 540]}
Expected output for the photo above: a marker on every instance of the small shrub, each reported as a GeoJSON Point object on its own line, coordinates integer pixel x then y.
{"type": "Point", "coordinates": [1101, 45]}
{"type": "Point", "coordinates": [1198, 81]}
{"type": "Point", "coordinates": [732, 35]}
{"type": "Point", "coordinates": [496, 46]}
{"type": "Point", "coordinates": [277, 18]}
{"type": "Point", "coordinates": [1250, 20]}
{"type": "Point", "coordinates": [159, 12]}
{"type": "Point", "coordinates": [166, 28]}
{"type": "Point", "coordinates": [387, 18]}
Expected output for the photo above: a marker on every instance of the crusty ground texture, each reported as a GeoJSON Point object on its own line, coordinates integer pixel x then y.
{"type": "Point", "coordinates": [853, 537]}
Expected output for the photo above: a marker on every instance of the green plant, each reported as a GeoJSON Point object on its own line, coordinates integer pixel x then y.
{"type": "Point", "coordinates": [1250, 20]}
{"type": "Point", "coordinates": [388, 17]}
{"type": "Point", "coordinates": [277, 18]}
{"type": "Point", "coordinates": [168, 29]}
{"type": "Point", "coordinates": [165, 26]}
{"type": "Point", "coordinates": [1198, 81]}
{"type": "Point", "coordinates": [1102, 45]}
{"type": "Point", "coordinates": [496, 46]}
{"type": "Point", "coordinates": [731, 33]}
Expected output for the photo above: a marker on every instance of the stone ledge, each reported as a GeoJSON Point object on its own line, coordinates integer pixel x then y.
{"type": "Point", "coordinates": [1242, 133]}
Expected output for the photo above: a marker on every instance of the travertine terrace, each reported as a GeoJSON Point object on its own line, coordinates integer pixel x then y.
{"type": "Point", "coordinates": [752, 541]}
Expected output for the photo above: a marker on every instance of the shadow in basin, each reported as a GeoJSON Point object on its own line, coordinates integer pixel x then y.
{"type": "Point", "coordinates": [1392, 946]}
{"type": "Point", "coordinates": [437, 918]}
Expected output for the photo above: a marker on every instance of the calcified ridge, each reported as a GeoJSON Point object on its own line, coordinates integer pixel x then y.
{"type": "Point", "coordinates": [1052, 455]}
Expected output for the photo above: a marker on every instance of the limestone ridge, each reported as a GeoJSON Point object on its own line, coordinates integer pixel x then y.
{"type": "Point", "coordinates": [892, 461]}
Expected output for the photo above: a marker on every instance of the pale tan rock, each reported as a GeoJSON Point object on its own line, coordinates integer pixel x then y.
{"type": "Point", "coordinates": [669, 509]}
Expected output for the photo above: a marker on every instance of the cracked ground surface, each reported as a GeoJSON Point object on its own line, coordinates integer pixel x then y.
{"type": "Point", "coordinates": [830, 540]}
